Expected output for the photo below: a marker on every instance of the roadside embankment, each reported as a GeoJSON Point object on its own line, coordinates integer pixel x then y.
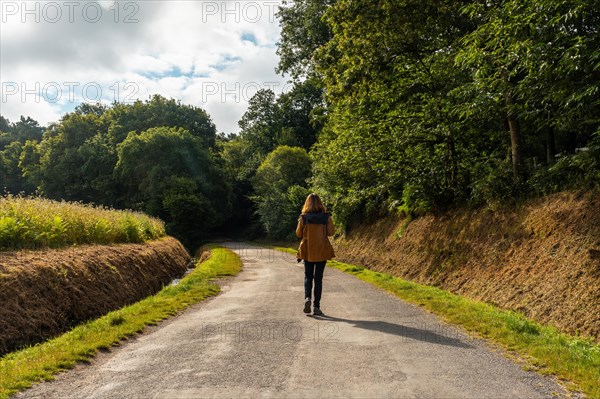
{"type": "Point", "coordinates": [541, 259]}
{"type": "Point", "coordinates": [46, 292]}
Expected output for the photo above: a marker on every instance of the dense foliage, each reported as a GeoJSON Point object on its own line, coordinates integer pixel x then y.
{"type": "Point", "coordinates": [280, 189]}
{"type": "Point", "coordinates": [437, 103]}
{"type": "Point", "coordinates": [157, 156]}
{"type": "Point", "coordinates": [401, 105]}
{"type": "Point", "coordinates": [267, 163]}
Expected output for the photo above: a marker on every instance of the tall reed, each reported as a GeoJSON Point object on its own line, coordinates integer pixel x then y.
{"type": "Point", "coordinates": [27, 222]}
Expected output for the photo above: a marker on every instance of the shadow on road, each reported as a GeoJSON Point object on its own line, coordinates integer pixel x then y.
{"type": "Point", "coordinates": [420, 334]}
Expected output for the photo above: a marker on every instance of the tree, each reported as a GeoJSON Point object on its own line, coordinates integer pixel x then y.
{"type": "Point", "coordinates": [62, 160]}
{"type": "Point", "coordinates": [302, 33]}
{"type": "Point", "coordinates": [159, 111]}
{"type": "Point", "coordinates": [169, 173]}
{"type": "Point", "coordinates": [537, 62]}
{"type": "Point", "coordinates": [29, 165]}
{"type": "Point", "coordinates": [391, 137]}
{"type": "Point", "coordinates": [21, 131]}
{"type": "Point", "coordinates": [98, 157]}
{"type": "Point", "coordinates": [97, 109]}
{"type": "Point", "coordinates": [301, 110]}
{"type": "Point", "coordinates": [79, 154]}
{"type": "Point", "coordinates": [17, 141]}
{"type": "Point", "coordinates": [238, 172]}
{"type": "Point", "coordinates": [261, 123]}
{"type": "Point", "coordinates": [280, 187]}
{"type": "Point", "coordinates": [10, 174]}
{"type": "Point", "coordinates": [4, 124]}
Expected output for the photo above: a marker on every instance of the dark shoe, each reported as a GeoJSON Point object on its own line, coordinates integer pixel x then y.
{"type": "Point", "coordinates": [307, 306]}
{"type": "Point", "coordinates": [317, 312]}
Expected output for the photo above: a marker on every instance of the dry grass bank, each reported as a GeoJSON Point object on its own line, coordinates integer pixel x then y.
{"type": "Point", "coordinates": [45, 292]}
{"type": "Point", "coordinates": [542, 259]}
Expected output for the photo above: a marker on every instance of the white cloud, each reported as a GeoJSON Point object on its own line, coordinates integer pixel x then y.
{"type": "Point", "coordinates": [208, 54]}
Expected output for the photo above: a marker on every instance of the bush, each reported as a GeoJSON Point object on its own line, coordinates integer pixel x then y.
{"type": "Point", "coordinates": [581, 170]}
{"type": "Point", "coordinates": [414, 201]}
{"type": "Point", "coordinates": [493, 183]}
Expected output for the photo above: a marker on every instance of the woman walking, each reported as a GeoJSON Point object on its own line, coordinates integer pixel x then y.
{"type": "Point", "coordinates": [314, 226]}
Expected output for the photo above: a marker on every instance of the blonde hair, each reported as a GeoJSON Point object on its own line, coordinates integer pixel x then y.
{"type": "Point", "coordinates": [313, 204]}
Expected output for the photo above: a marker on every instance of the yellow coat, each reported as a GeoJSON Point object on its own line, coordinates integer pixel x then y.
{"type": "Point", "coordinates": [315, 246]}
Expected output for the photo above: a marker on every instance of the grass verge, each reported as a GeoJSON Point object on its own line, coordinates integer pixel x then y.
{"type": "Point", "coordinates": [21, 369]}
{"type": "Point", "coordinates": [575, 360]}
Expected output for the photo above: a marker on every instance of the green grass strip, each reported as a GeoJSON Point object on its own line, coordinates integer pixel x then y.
{"type": "Point", "coordinates": [575, 360]}
{"type": "Point", "coordinates": [21, 369]}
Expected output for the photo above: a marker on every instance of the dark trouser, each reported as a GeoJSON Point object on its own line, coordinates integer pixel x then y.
{"type": "Point", "coordinates": [314, 270]}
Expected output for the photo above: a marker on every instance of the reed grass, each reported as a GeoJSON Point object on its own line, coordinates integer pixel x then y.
{"type": "Point", "coordinates": [32, 223]}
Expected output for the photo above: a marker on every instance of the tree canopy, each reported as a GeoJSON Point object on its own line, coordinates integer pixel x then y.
{"type": "Point", "coordinates": [395, 106]}
{"type": "Point", "coordinates": [157, 156]}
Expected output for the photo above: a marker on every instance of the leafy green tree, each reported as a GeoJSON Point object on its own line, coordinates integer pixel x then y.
{"type": "Point", "coordinates": [10, 174]}
{"type": "Point", "coordinates": [191, 215]}
{"type": "Point", "coordinates": [16, 142]}
{"type": "Point", "coordinates": [62, 175]}
{"type": "Point", "coordinates": [97, 109]}
{"type": "Point", "coordinates": [4, 124]}
{"type": "Point", "coordinates": [168, 172]}
{"type": "Point", "coordinates": [261, 123]}
{"type": "Point", "coordinates": [79, 154]}
{"type": "Point", "coordinates": [98, 157]}
{"type": "Point", "coordinates": [428, 100]}
{"type": "Point", "coordinates": [302, 112]}
{"type": "Point", "coordinates": [29, 165]}
{"type": "Point", "coordinates": [392, 137]}
{"type": "Point", "coordinates": [280, 188]}
{"type": "Point", "coordinates": [302, 32]}
{"type": "Point", "coordinates": [238, 172]}
{"type": "Point", "coordinates": [537, 63]}
{"type": "Point", "coordinates": [159, 111]}
{"type": "Point", "coordinates": [21, 131]}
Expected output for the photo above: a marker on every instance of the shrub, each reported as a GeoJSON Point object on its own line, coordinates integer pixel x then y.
{"type": "Point", "coordinates": [581, 170]}
{"type": "Point", "coordinates": [493, 183]}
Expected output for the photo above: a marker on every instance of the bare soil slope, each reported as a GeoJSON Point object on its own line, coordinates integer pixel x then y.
{"type": "Point", "coordinates": [542, 259]}
{"type": "Point", "coordinates": [45, 292]}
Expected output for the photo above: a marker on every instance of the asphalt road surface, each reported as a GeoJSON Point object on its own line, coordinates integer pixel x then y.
{"type": "Point", "coordinates": [253, 340]}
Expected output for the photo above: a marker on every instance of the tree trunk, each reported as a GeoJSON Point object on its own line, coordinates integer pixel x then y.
{"type": "Point", "coordinates": [515, 145]}
{"type": "Point", "coordinates": [453, 160]}
{"type": "Point", "coordinates": [514, 128]}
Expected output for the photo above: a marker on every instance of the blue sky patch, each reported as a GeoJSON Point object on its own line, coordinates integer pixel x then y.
{"type": "Point", "coordinates": [174, 72]}
{"type": "Point", "coordinates": [249, 37]}
{"type": "Point", "coordinates": [226, 62]}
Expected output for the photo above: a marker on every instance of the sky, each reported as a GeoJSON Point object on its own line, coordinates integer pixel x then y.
{"type": "Point", "coordinates": [215, 55]}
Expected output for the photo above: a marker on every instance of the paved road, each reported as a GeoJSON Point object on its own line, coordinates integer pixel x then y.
{"type": "Point", "coordinates": [254, 341]}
